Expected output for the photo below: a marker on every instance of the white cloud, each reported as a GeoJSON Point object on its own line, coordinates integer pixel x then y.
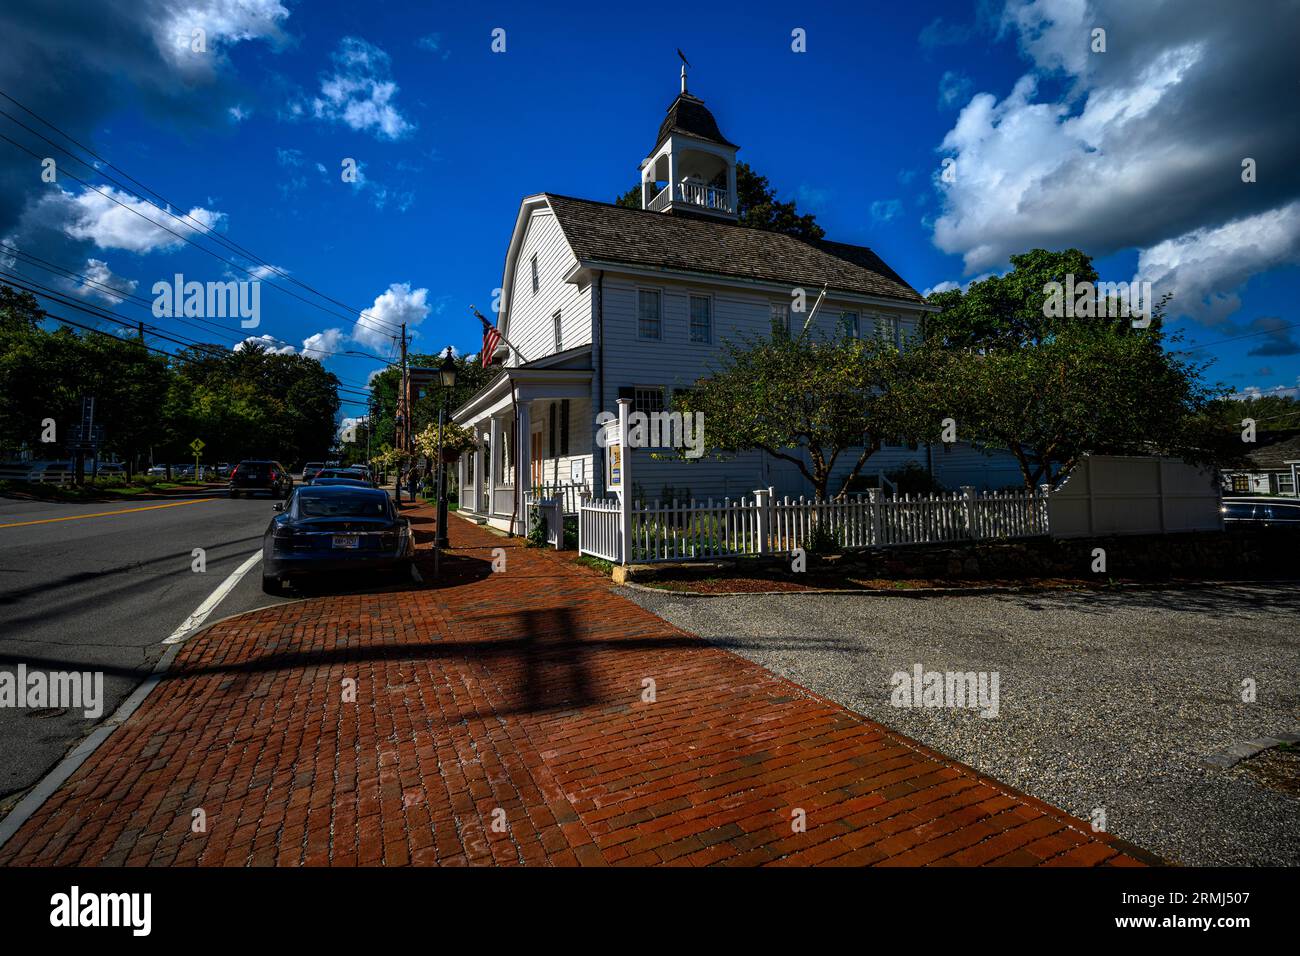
{"type": "Point", "coordinates": [954, 88]}
{"type": "Point", "coordinates": [268, 342]}
{"type": "Point", "coordinates": [360, 91]}
{"type": "Point", "coordinates": [399, 304]}
{"type": "Point", "coordinates": [223, 24]}
{"type": "Point", "coordinates": [117, 220]}
{"type": "Point", "coordinates": [1205, 267]}
{"type": "Point", "coordinates": [323, 344]}
{"type": "Point", "coordinates": [98, 272]}
{"type": "Point", "coordinates": [883, 210]}
{"type": "Point", "coordinates": [1138, 147]}
{"type": "Point", "coordinates": [238, 114]}
{"type": "Point", "coordinates": [947, 285]}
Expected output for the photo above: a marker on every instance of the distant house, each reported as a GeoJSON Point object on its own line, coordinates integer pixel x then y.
{"type": "Point", "coordinates": [602, 302]}
{"type": "Point", "coordinates": [1274, 467]}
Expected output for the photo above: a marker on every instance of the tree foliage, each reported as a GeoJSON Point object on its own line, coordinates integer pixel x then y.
{"type": "Point", "coordinates": [244, 403]}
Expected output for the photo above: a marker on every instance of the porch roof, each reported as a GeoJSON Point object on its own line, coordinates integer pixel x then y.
{"type": "Point", "coordinates": [560, 375]}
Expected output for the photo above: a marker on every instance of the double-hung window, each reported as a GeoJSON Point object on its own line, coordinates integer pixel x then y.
{"type": "Point", "coordinates": [780, 315]}
{"type": "Point", "coordinates": [649, 321]}
{"type": "Point", "coordinates": [648, 399]}
{"type": "Point", "coordinates": [849, 324]}
{"type": "Point", "coordinates": [558, 332]}
{"type": "Point", "coordinates": [701, 319]}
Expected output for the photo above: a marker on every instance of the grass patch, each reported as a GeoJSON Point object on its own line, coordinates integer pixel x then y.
{"type": "Point", "coordinates": [596, 564]}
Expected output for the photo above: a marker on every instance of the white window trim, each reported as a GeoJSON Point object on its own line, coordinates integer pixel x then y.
{"type": "Point", "coordinates": [557, 329]}
{"type": "Point", "coordinates": [841, 324]}
{"type": "Point", "coordinates": [537, 282]}
{"type": "Point", "coordinates": [772, 305]}
{"type": "Point", "coordinates": [712, 318]}
{"type": "Point", "coordinates": [661, 389]}
{"type": "Point", "coordinates": [660, 293]}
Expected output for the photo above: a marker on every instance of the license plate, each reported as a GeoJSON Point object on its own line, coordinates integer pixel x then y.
{"type": "Point", "coordinates": [345, 541]}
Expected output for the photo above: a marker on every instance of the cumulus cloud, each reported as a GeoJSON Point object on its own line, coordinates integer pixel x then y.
{"type": "Point", "coordinates": [112, 219]}
{"type": "Point", "coordinates": [103, 284]}
{"type": "Point", "coordinates": [360, 91]}
{"type": "Point", "coordinates": [400, 303]}
{"type": "Point", "coordinates": [323, 344]}
{"type": "Point", "coordinates": [1138, 147]}
{"type": "Point", "coordinates": [269, 342]}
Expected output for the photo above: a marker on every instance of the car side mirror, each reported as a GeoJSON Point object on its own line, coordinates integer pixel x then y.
{"type": "Point", "coordinates": [279, 506]}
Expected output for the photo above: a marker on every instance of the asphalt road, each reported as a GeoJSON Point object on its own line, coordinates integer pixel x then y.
{"type": "Point", "coordinates": [99, 587]}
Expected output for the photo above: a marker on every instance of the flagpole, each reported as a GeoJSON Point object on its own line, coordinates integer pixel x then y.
{"type": "Point", "coordinates": [510, 345]}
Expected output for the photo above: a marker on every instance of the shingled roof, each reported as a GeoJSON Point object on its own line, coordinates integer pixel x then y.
{"type": "Point", "coordinates": [639, 237]}
{"type": "Point", "coordinates": [1276, 450]}
{"type": "Point", "coordinates": [688, 115]}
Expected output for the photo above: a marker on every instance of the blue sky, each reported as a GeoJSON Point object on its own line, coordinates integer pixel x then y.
{"type": "Point", "coordinates": [1132, 154]}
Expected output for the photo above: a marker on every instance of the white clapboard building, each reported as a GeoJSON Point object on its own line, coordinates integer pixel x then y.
{"type": "Point", "coordinates": [600, 302]}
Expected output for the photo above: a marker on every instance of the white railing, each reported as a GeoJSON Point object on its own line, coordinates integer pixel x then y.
{"type": "Point", "coordinates": [701, 530]}
{"type": "Point", "coordinates": [570, 493]}
{"type": "Point", "coordinates": [693, 194]}
{"type": "Point", "coordinates": [598, 528]}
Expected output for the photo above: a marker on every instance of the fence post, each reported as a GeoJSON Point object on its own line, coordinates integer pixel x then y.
{"type": "Point", "coordinates": [762, 517]}
{"type": "Point", "coordinates": [968, 509]}
{"type": "Point", "coordinates": [582, 501]}
{"type": "Point", "coordinates": [1045, 515]}
{"type": "Point", "coordinates": [625, 485]}
{"type": "Point", "coordinates": [873, 496]}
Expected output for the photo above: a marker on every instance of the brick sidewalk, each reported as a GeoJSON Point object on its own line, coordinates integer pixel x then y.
{"type": "Point", "coordinates": [515, 700]}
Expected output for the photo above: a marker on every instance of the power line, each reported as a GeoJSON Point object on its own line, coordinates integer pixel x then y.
{"type": "Point", "coordinates": [229, 243]}
{"type": "Point", "coordinates": [186, 239]}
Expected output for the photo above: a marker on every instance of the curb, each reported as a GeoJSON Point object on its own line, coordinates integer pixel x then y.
{"type": "Point", "coordinates": [972, 592]}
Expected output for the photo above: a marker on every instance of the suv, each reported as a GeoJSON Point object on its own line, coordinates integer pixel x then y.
{"type": "Point", "coordinates": [260, 474]}
{"type": "Point", "coordinates": [310, 469]}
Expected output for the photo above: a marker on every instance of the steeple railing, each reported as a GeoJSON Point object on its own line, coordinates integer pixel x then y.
{"type": "Point", "coordinates": [716, 198]}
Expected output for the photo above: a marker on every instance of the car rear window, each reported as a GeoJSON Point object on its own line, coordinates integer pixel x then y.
{"type": "Point", "coordinates": [337, 505]}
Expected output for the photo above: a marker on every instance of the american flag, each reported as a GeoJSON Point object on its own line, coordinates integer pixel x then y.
{"type": "Point", "coordinates": [491, 339]}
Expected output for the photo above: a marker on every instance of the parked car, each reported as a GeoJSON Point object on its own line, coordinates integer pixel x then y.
{"type": "Point", "coordinates": [1262, 511]}
{"type": "Point", "coordinates": [330, 482]}
{"type": "Point", "coordinates": [223, 470]}
{"type": "Point", "coordinates": [350, 473]}
{"type": "Point", "coordinates": [310, 469]}
{"type": "Point", "coordinates": [334, 528]}
{"type": "Point", "coordinates": [261, 474]}
{"type": "Point", "coordinates": [157, 471]}
{"type": "Point", "coordinates": [111, 469]}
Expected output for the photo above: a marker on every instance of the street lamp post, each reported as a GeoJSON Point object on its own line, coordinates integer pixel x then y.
{"type": "Point", "coordinates": [447, 375]}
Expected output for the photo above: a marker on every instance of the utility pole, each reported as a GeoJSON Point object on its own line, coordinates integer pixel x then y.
{"type": "Point", "coordinates": [403, 417]}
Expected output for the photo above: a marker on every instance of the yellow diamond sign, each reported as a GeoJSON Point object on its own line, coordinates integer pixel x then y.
{"type": "Point", "coordinates": [197, 445]}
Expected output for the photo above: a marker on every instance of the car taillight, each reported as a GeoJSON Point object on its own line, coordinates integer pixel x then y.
{"type": "Point", "coordinates": [274, 475]}
{"type": "Point", "coordinates": [234, 471]}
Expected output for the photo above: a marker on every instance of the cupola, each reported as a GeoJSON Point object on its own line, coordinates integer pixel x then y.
{"type": "Point", "coordinates": [692, 168]}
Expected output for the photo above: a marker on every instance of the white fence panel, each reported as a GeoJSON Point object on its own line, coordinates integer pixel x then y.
{"type": "Point", "coordinates": [1114, 494]}
{"type": "Point", "coordinates": [598, 528]}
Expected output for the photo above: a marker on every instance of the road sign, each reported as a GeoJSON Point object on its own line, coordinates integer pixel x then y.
{"type": "Point", "coordinates": [197, 445]}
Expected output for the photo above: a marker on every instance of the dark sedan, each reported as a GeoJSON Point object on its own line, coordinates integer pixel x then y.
{"type": "Point", "coordinates": [334, 528]}
{"type": "Point", "coordinates": [1262, 511]}
{"type": "Point", "coordinates": [253, 475]}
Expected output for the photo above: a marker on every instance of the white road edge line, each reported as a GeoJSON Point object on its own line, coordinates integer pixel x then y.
{"type": "Point", "coordinates": [66, 767]}
{"type": "Point", "coordinates": [195, 620]}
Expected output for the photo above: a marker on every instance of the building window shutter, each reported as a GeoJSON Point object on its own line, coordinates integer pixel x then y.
{"type": "Point", "coordinates": [564, 427]}
{"type": "Point", "coordinates": [550, 422]}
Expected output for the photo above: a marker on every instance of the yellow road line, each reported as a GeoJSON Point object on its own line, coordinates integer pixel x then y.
{"type": "Point", "coordinates": [108, 514]}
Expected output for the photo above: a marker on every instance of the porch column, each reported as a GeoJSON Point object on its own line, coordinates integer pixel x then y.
{"type": "Point", "coordinates": [523, 463]}
{"type": "Point", "coordinates": [494, 444]}
{"type": "Point", "coordinates": [478, 470]}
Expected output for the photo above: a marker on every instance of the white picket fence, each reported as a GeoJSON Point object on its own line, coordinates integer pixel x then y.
{"type": "Point", "coordinates": [763, 524]}
{"type": "Point", "coordinates": [598, 528]}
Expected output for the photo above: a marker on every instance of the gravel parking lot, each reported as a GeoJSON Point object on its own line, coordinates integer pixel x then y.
{"type": "Point", "coordinates": [1106, 700]}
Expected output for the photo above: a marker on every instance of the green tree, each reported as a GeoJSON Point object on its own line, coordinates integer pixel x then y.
{"type": "Point", "coordinates": [826, 398]}
{"type": "Point", "coordinates": [757, 207]}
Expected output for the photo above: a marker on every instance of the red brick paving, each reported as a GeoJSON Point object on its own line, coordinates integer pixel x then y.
{"type": "Point", "coordinates": [499, 719]}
